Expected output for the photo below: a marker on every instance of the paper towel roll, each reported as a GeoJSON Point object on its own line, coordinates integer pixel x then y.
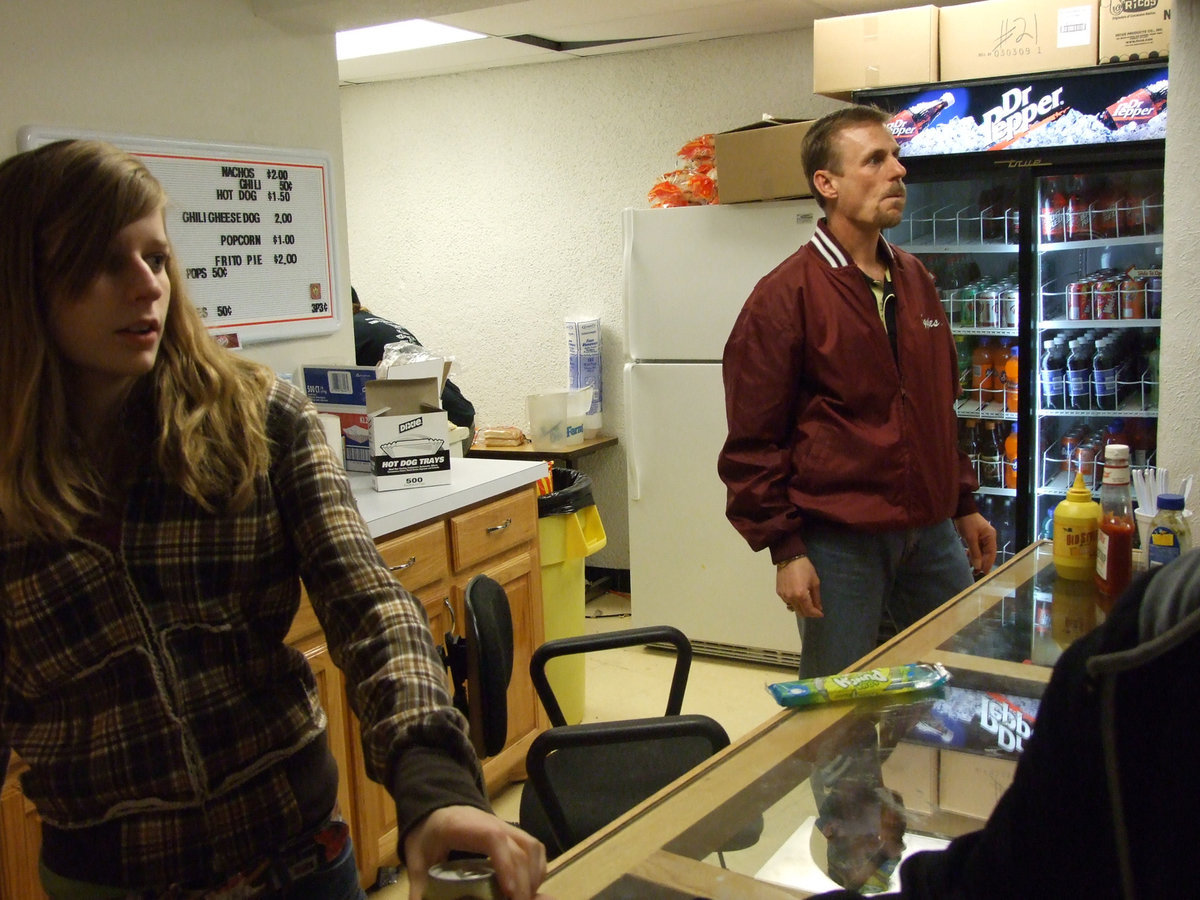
{"type": "Point", "coordinates": [333, 435]}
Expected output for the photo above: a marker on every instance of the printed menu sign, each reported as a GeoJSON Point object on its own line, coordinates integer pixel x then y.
{"type": "Point", "coordinates": [252, 228]}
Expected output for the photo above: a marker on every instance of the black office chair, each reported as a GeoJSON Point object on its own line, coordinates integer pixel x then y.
{"type": "Point", "coordinates": [481, 664]}
{"type": "Point", "coordinates": [581, 777]}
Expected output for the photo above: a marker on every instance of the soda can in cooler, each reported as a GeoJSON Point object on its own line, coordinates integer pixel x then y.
{"type": "Point", "coordinates": [1079, 300]}
{"type": "Point", "coordinates": [1133, 298]}
{"type": "Point", "coordinates": [1009, 304]}
{"type": "Point", "coordinates": [462, 878]}
{"type": "Point", "coordinates": [987, 308]}
{"type": "Point", "coordinates": [966, 305]}
{"type": "Point", "coordinates": [1154, 298]}
{"type": "Point", "coordinates": [952, 304]}
{"type": "Point", "coordinates": [1106, 299]}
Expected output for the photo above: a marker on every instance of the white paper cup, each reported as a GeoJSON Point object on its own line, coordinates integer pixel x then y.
{"type": "Point", "coordinates": [547, 418]}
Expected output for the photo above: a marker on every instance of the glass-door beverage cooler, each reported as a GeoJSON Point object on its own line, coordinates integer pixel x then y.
{"type": "Point", "coordinates": [1036, 204]}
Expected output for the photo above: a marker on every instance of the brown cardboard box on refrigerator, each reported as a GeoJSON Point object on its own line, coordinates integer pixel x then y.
{"type": "Point", "coordinates": [1015, 37]}
{"type": "Point", "coordinates": [1134, 29]}
{"type": "Point", "coordinates": [884, 49]}
{"type": "Point", "coordinates": [761, 161]}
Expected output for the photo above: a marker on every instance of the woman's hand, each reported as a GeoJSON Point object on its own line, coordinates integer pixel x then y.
{"type": "Point", "coordinates": [519, 858]}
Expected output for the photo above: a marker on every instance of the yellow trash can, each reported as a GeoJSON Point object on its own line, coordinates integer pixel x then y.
{"type": "Point", "coordinates": [569, 530]}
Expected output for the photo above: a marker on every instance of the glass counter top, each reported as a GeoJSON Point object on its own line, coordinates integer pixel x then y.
{"type": "Point", "coordinates": [846, 789]}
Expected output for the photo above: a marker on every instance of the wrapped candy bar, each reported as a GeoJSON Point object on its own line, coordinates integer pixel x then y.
{"type": "Point", "coordinates": [866, 683]}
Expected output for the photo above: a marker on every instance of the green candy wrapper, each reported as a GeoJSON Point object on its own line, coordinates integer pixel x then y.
{"type": "Point", "coordinates": [866, 683]}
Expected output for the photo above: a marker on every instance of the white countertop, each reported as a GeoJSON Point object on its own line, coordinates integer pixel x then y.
{"type": "Point", "coordinates": [471, 481]}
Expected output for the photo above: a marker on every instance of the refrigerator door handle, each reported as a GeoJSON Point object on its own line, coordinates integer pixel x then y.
{"type": "Point", "coordinates": [631, 454]}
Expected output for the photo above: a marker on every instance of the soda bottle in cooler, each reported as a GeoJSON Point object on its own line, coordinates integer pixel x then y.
{"type": "Point", "coordinates": [968, 442]}
{"type": "Point", "coordinates": [1053, 211]}
{"type": "Point", "coordinates": [1139, 107]}
{"type": "Point", "coordinates": [1078, 221]}
{"type": "Point", "coordinates": [1104, 375]}
{"type": "Point", "coordinates": [1010, 457]}
{"type": "Point", "coordinates": [1054, 373]}
{"type": "Point", "coordinates": [1012, 380]}
{"type": "Point", "coordinates": [994, 392]}
{"type": "Point", "coordinates": [991, 457]}
{"type": "Point", "coordinates": [981, 372]}
{"type": "Point", "coordinates": [908, 123]}
{"type": "Point", "coordinates": [1079, 375]}
{"type": "Point", "coordinates": [1106, 210]}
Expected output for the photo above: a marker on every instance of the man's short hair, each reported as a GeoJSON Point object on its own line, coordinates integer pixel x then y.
{"type": "Point", "coordinates": [818, 150]}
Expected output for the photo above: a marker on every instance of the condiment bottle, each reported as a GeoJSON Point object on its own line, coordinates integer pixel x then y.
{"type": "Point", "coordinates": [1169, 532]}
{"type": "Point", "coordinates": [1114, 541]}
{"type": "Point", "coordinates": [1076, 524]}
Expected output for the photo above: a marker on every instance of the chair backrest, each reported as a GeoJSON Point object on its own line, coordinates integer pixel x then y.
{"type": "Point", "coordinates": [489, 663]}
{"type": "Point", "coordinates": [581, 777]}
{"type": "Point", "coordinates": [627, 637]}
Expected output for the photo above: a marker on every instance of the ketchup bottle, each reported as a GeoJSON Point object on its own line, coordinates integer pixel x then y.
{"type": "Point", "coordinates": [1114, 542]}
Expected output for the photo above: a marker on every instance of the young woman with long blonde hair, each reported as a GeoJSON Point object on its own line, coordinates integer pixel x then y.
{"type": "Point", "coordinates": [160, 500]}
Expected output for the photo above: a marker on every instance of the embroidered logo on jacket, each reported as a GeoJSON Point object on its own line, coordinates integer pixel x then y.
{"type": "Point", "coordinates": [930, 323]}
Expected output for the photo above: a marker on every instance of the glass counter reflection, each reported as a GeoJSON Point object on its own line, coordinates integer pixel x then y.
{"type": "Point", "coordinates": [893, 777]}
{"type": "Point", "coordinates": [1034, 622]}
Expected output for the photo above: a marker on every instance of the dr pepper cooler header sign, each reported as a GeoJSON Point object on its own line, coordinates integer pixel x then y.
{"type": "Point", "coordinates": [1060, 109]}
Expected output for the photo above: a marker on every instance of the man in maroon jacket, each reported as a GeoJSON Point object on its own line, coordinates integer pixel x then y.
{"type": "Point", "coordinates": [840, 381]}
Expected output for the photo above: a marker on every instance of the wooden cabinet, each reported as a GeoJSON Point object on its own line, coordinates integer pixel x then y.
{"type": "Point", "coordinates": [434, 561]}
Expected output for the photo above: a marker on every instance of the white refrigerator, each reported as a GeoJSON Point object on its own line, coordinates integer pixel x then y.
{"type": "Point", "coordinates": [687, 273]}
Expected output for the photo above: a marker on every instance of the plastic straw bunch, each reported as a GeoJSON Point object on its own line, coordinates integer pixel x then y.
{"type": "Point", "coordinates": [1151, 481]}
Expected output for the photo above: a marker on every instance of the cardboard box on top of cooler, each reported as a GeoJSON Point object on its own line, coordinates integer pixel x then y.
{"type": "Point", "coordinates": [886, 49]}
{"type": "Point", "coordinates": [1134, 30]}
{"type": "Point", "coordinates": [1016, 37]}
{"type": "Point", "coordinates": [761, 161]}
{"type": "Point", "coordinates": [342, 391]}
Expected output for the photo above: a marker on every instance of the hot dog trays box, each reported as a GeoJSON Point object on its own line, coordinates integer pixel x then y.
{"type": "Point", "coordinates": [409, 431]}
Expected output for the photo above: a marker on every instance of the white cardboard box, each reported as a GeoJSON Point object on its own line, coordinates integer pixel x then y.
{"type": "Point", "coordinates": [409, 432]}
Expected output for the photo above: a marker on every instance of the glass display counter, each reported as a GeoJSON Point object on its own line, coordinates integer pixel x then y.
{"type": "Point", "coordinates": [846, 789]}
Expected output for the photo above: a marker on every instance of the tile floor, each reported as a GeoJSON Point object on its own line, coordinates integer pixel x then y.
{"type": "Point", "coordinates": [632, 682]}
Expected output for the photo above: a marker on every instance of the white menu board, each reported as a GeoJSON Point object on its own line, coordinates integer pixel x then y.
{"type": "Point", "coordinates": [253, 229]}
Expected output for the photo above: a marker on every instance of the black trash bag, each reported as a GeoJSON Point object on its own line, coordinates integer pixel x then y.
{"type": "Point", "coordinates": [572, 493]}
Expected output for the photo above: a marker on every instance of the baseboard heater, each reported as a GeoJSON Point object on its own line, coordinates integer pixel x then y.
{"type": "Point", "coordinates": [758, 655]}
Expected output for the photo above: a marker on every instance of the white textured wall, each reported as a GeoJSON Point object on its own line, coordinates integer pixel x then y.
{"type": "Point", "coordinates": [205, 71]}
{"type": "Point", "coordinates": [1178, 432]}
{"type": "Point", "coordinates": [485, 207]}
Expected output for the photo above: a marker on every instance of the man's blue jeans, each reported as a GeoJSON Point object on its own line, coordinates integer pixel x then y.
{"type": "Point", "coordinates": [909, 572]}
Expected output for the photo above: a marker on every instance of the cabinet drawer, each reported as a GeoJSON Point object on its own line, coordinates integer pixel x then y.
{"type": "Point", "coordinates": [417, 558]}
{"type": "Point", "coordinates": [487, 530]}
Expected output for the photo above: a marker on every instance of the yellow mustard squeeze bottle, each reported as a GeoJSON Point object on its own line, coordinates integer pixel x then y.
{"type": "Point", "coordinates": [1076, 525]}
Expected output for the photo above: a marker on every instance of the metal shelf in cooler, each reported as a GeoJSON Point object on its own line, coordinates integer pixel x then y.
{"type": "Point", "coordinates": [917, 247]}
{"type": "Point", "coordinates": [1081, 324]}
{"type": "Point", "coordinates": [1137, 240]}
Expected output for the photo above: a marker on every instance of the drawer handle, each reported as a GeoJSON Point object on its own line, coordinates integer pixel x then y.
{"type": "Point", "coordinates": [404, 565]}
{"type": "Point", "coordinates": [453, 618]}
{"type": "Point", "coordinates": [501, 527]}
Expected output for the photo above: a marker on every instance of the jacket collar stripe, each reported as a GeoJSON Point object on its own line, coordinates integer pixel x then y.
{"type": "Point", "coordinates": [828, 248]}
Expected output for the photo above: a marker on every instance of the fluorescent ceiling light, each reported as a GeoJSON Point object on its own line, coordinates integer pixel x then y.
{"type": "Point", "coordinates": [395, 37]}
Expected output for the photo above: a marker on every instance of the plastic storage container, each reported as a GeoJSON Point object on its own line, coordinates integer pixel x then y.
{"type": "Point", "coordinates": [569, 530]}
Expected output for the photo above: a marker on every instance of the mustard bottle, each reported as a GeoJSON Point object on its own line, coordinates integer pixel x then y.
{"type": "Point", "coordinates": [1076, 525]}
